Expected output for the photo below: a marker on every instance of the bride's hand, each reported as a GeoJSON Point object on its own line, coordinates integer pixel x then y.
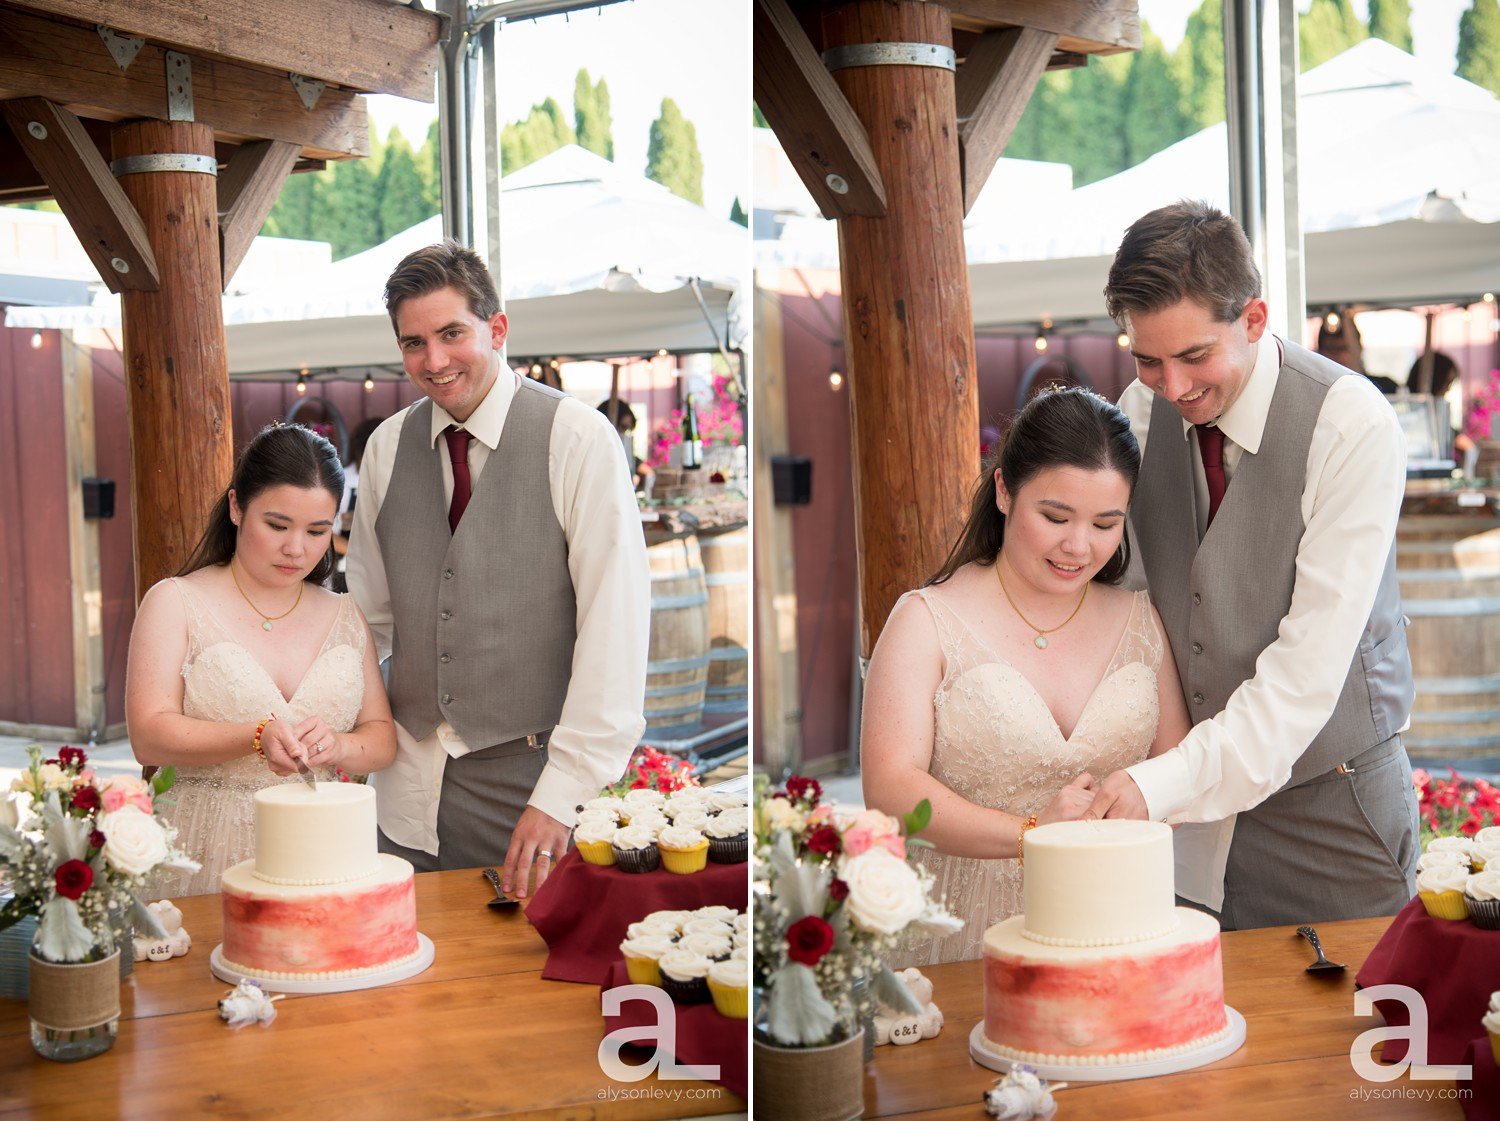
{"type": "Point", "coordinates": [321, 744]}
{"type": "Point", "coordinates": [278, 740]}
{"type": "Point", "coordinates": [1070, 802]}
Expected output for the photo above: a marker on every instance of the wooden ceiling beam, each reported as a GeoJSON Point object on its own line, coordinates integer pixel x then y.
{"type": "Point", "coordinates": [375, 46]}
{"type": "Point", "coordinates": [106, 223]}
{"type": "Point", "coordinates": [993, 87]}
{"type": "Point", "coordinates": [819, 130]}
{"type": "Point", "coordinates": [1082, 26]}
{"type": "Point", "coordinates": [247, 190]}
{"type": "Point", "coordinates": [71, 66]}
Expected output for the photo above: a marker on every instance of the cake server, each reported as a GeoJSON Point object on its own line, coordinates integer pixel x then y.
{"type": "Point", "coordinates": [1322, 964]}
{"type": "Point", "coordinates": [499, 902]}
{"type": "Point", "coordinates": [307, 775]}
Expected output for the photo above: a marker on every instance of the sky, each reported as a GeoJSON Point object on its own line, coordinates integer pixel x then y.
{"type": "Point", "coordinates": [696, 52]}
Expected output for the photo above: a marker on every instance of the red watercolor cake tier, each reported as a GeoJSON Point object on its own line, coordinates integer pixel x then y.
{"type": "Point", "coordinates": [319, 932]}
{"type": "Point", "coordinates": [1104, 1005]}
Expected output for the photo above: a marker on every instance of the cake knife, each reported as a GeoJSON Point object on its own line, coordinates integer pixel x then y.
{"type": "Point", "coordinates": [307, 775]}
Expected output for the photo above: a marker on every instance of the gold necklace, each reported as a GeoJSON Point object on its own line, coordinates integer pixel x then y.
{"type": "Point", "coordinates": [1040, 641]}
{"type": "Point", "coordinates": [267, 620]}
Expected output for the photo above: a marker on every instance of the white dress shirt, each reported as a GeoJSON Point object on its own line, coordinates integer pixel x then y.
{"type": "Point", "coordinates": [1356, 477]}
{"type": "Point", "coordinates": [602, 718]}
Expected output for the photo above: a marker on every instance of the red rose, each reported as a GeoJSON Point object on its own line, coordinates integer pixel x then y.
{"type": "Point", "coordinates": [74, 877]}
{"type": "Point", "coordinates": [96, 839]}
{"type": "Point", "coordinates": [72, 756]}
{"type": "Point", "coordinates": [802, 789]}
{"type": "Point", "coordinates": [86, 798]}
{"type": "Point", "coordinates": [825, 840]}
{"type": "Point", "coordinates": [807, 940]}
{"type": "Point", "coordinates": [838, 891]}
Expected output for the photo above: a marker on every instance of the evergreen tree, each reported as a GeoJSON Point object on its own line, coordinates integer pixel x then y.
{"type": "Point", "coordinates": [350, 210]}
{"type": "Point", "coordinates": [757, 118]}
{"type": "Point", "coordinates": [591, 116]}
{"type": "Point", "coordinates": [430, 164]}
{"type": "Point", "coordinates": [1199, 66]}
{"type": "Point", "coordinates": [543, 132]}
{"type": "Point", "coordinates": [1328, 28]}
{"type": "Point", "coordinates": [295, 209]}
{"type": "Point", "coordinates": [1391, 20]}
{"type": "Point", "coordinates": [1479, 45]}
{"type": "Point", "coordinates": [1094, 119]}
{"type": "Point", "coordinates": [400, 188]}
{"type": "Point", "coordinates": [672, 157]}
{"type": "Point", "coordinates": [737, 213]}
{"type": "Point", "coordinates": [1153, 113]}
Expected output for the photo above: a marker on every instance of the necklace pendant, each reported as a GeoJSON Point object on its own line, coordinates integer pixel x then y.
{"type": "Point", "coordinates": [266, 625]}
{"type": "Point", "coordinates": [1040, 642]}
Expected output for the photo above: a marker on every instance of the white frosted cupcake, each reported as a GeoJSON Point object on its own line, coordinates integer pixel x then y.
{"type": "Point", "coordinates": [740, 952]}
{"type": "Point", "coordinates": [1488, 836]}
{"type": "Point", "coordinates": [718, 911]}
{"type": "Point", "coordinates": [702, 924]}
{"type": "Point", "coordinates": [722, 800]}
{"type": "Point", "coordinates": [729, 837]}
{"type": "Point", "coordinates": [715, 947]}
{"type": "Point", "coordinates": [1442, 859]}
{"type": "Point", "coordinates": [683, 849]}
{"type": "Point", "coordinates": [684, 975]}
{"type": "Point", "coordinates": [1482, 896]}
{"type": "Point", "coordinates": [688, 798]}
{"type": "Point", "coordinates": [641, 956]}
{"type": "Point", "coordinates": [696, 817]}
{"type": "Point", "coordinates": [729, 985]}
{"type": "Point", "coordinates": [606, 805]}
{"type": "Point", "coordinates": [594, 840]}
{"type": "Point", "coordinates": [648, 818]}
{"type": "Point", "coordinates": [1491, 1024]}
{"type": "Point", "coordinates": [1442, 892]}
{"type": "Point", "coordinates": [1464, 845]}
{"type": "Point", "coordinates": [1484, 855]}
{"type": "Point", "coordinates": [635, 849]}
{"type": "Point", "coordinates": [644, 798]}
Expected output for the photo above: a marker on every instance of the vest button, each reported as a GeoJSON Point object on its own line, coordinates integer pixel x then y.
{"type": "Point", "coordinates": [447, 574]}
{"type": "Point", "coordinates": [445, 615]}
{"type": "Point", "coordinates": [445, 658]}
{"type": "Point", "coordinates": [447, 698]}
{"type": "Point", "coordinates": [1197, 698]}
{"type": "Point", "coordinates": [1197, 648]}
{"type": "Point", "coordinates": [1197, 599]}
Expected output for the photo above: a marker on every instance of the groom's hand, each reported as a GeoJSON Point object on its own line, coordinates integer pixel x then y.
{"type": "Point", "coordinates": [538, 839]}
{"type": "Point", "coordinates": [1118, 796]}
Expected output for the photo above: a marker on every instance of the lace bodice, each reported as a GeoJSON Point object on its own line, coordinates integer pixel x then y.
{"type": "Point", "coordinates": [997, 744]}
{"type": "Point", "coordinates": [212, 806]}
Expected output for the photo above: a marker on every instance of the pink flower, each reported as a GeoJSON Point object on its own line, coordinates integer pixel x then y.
{"type": "Point", "coordinates": [126, 790]}
{"type": "Point", "coordinates": [857, 840]}
{"type": "Point", "coordinates": [895, 844]}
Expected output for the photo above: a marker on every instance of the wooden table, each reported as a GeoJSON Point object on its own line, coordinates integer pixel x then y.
{"type": "Point", "coordinates": [1294, 1063]}
{"type": "Point", "coordinates": [479, 1034]}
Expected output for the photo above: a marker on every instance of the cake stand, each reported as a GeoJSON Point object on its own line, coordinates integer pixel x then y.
{"type": "Point", "coordinates": [399, 972]}
{"type": "Point", "coordinates": [984, 1054]}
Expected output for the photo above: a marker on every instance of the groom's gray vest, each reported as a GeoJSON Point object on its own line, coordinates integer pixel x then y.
{"type": "Point", "coordinates": [1223, 599]}
{"type": "Point", "coordinates": [484, 618]}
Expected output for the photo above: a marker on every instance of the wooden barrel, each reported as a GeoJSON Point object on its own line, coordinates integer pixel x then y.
{"type": "Point", "coordinates": [1449, 570]}
{"type": "Point", "coordinates": [726, 566]}
{"type": "Point", "coordinates": [677, 669]}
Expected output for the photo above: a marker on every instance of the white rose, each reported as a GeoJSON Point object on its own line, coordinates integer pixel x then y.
{"type": "Point", "coordinates": [54, 777]}
{"type": "Point", "coordinates": [133, 841]}
{"type": "Point", "coordinates": [885, 893]}
{"type": "Point", "coordinates": [779, 813]}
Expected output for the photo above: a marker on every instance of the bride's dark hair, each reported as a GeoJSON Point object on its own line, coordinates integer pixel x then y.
{"type": "Point", "coordinates": [1059, 428]}
{"type": "Point", "coordinates": [278, 455]}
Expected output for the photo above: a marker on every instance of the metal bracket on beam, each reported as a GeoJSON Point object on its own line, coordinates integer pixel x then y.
{"type": "Point", "coordinates": [179, 87]}
{"type": "Point", "coordinates": [138, 165]}
{"type": "Point", "coordinates": [890, 54]}
{"type": "Point", "coordinates": [122, 48]}
{"type": "Point", "coordinates": [308, 89]}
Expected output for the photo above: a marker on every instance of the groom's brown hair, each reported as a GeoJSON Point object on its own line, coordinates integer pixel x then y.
{"type": "Point", "coordinates": [1186, 251]}
{"type": "Point", "coordinates": [444, 265]}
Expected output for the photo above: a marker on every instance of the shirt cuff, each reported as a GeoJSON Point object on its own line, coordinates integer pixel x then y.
{"type": "Point", "coordinates": [558, 795]}
{"type": "Point", "coordinates": [1164, 783]}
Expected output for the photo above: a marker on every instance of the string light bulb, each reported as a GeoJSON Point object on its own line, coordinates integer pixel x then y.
{"type": "Point", "coordinates": [536, 369]}
{"type": "Point", "coordinates": [662, 353]}
{"type": "Point", "coordinates": [1122, 340]}
{"type": "Point", "coordinates": [835, 380]}
{"type": "Point", "coordinates": [369, 384]}
{"type": "Point", "coordinates": [1488, 297]}
{"type": "Point", "coordinates": [1040, 342]}
{"type": "Point", "coordinates": [36, 339]}
{"type": "Point", "coordinates": [1331, 321]}
{"type": "Point", "coordinates": [301, 384]}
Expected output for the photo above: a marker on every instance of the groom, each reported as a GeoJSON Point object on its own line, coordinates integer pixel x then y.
{"type": "Point", "coordinates": [497, 554]}
{"type": "Point", "coordinates": [1265, 513]}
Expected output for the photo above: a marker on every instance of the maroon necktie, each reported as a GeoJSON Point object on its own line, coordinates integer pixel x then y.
{"type": "Point", "coordinates": [458, 455]}
{"type": "Point", "coordinates": [1211, 446]}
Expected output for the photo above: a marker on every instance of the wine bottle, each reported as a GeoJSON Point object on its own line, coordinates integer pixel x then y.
{"type": "Point", "coordinates": [692, 443]}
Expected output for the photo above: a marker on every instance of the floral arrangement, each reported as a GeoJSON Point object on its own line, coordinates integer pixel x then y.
{"type": "Point", "coordinates": [722, 422]}
{"type": "Point", "coordinates": [834, 894]}
{"type": "Point", "coordinates": [77, 851]}
{"type": "Point", "coordinates": [651, 769]}
{"type": "Point", "coordinates": [1455, 805]}
{"type": "Point", "coordinates": [1484, 411]}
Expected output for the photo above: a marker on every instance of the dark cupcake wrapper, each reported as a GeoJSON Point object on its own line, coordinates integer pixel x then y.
{"type": "Point", "coordinates": [1484, 913]}
{"type": "Point", "coordinates": [693, 991]}
{"type": "Point", "coordinates": [730, 850]}
{"type": "Point", "coordinates": [637, 860]}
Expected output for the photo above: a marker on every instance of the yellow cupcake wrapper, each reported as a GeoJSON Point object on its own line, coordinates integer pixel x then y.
{"type": "Point", "coordinates": [1445, 904]}
{"type": "Point", "coordinates": [685, 861]}
{"type": "Point", "coordinates": [643, 971]}
{"type": "Point", "coordinates": [1495, 1047]}
{"type": "Point", "coordinates": [601, 853]}
{"type": "Point", "coordinates": [731, 1000]}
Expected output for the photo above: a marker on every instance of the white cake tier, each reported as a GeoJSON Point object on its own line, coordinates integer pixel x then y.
{"type": "Point", "coordinates": [315, 835]}
{"type": "Point", "coordinates": [1099, 883]}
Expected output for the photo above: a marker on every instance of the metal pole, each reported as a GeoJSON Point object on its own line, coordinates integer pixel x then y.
{"type": "Point", "coordinates": [492, 169]}
{"type": "Point", "coordinates": [454, 101]}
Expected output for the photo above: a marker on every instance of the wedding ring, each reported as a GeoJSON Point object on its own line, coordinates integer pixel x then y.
{"type": "Point", "coordinates": [545, 853]}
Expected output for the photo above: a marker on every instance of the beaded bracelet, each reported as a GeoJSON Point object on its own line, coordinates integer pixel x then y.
{"type": "Point", "coordinates": [1029, 823]}
{"type": "Point", "coordinates": [259, 728]}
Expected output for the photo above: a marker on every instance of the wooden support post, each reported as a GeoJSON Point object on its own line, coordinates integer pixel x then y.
{"type": "Point", "coordinates": [995, 84]}
{"type": "Point", "coordinates": [83, 539]}
{"type": "Point", "coordinates": [176, 366]}
{"type": "Point", "coordinates": [908, 327]}
{"type": "Point", "coordinates": [247, 190]}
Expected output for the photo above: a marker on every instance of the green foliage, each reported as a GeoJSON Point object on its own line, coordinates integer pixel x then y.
{"type": "Point", "coordinates": [1198, 66]}
{"type": "Point", "coordinates": [430, 164]}
{"type": "Point", "coordinates": [757, 118]}
{"type": "Point", "coordinates": [1479, 44]}
{"type": "Point", "coordinates": [737, 213]}
{"type": "Point", "coordinates": [400, 188]}
{"type": "Point", "coordinates": [543, 132]}
{"type": "Point", "coordinates": [1153, 117]}
{"type": "Point", "coordinates": [919, 818]}
{"type": "Point", "coordinates": [1328, 28]}
{"type": "Point", "coordinates": [672, 157]}
{"type": "Point", "coordinates": [1391, 20]}
{"type": "Point", "coordinates": [591, 116]}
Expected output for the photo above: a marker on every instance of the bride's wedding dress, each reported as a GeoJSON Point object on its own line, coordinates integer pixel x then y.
{"type": "Point", "coordinates": [996, 743]}
{"type": "Point", "coordinates": [213, 807]}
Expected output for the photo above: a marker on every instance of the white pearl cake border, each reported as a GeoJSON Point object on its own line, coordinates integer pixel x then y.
{"type": "Point", "coordinates": [1095, 943]}
{"type": "Point", "coordinates": [403, 968]}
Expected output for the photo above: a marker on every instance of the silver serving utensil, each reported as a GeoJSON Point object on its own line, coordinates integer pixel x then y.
{"type": "Point", "coordinates": [1322, 965]}
{"type": "Point", "coordinates": [500, 902]}
{"type": "Point", "coordinates": [307, 775]}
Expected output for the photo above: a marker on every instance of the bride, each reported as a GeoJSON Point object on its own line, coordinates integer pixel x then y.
{"type": "Point", "coordinates": [1020, 670]}
{"type": "Point", "coordinates": [243, 666]}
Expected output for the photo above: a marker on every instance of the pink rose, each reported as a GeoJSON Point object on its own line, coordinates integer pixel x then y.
{"type": "Point", "coordinates": [895, 844]}
{"type": "Point", "coordinates": [857, 841]}
{"type": "Point", "coordinates": [126, 790]}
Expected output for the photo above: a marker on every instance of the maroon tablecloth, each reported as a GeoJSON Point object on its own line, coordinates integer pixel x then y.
{"type": "Point", "coordinates": [582, 910]}
{"type": "Point", "coordinates": [1454, 965]}
{"type": "Point", "coordinates": [1484, 1103]}
{"type": "Point", "coordinates": [704, 1037]}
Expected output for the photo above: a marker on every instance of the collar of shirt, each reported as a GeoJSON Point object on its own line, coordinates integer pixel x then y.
{"type": "Point", "coordinates": [1244, 422]}
{"type": "Point", "coordinates": [487, 420]}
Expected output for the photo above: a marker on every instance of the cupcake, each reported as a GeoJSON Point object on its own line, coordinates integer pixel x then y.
{"type": "Point", "coordinates": [684, 975]}
{"type": "Point", "coordinates": [655, 924]}
{"type": "Point", "coordinates": [722, 800]}
{"type": "Point", "coordinates": [683, 849]}
{"type": "Point", "coordinates": [702, 924]}
{"type": "Point", "coordinates": [594, 840]}
{"type": "Point", "coordinates": [642, 954]}
{"type": "Point", "coordinates": [1484, 856]}
{"type": "Point", "coordinates": [1442, 892]}
{"type": "Point", "coordinates": [729, 985]}
{"type": "Point", "coordinates": [644, 798]}
{"type": "Point", "coordinates": [715, 947]}
{"type": "Point", "coordinates": [1491, 1024]}
{"type": "Point", "coordinates": [740, 953]}
{"type": "Point", "coordinates": [1442, 859]}
{"type": "Point", "coordinates": [696, 817]}
{"type": "Point", "coordinates": [635, 849]}
{"type": "Point", "coordinates": [686, 799]}
{"type": "Point", "coordinates": [1488, 836]}
{"type": "Point", "coordinates": [729, 837]}
{"type": "Point", "coordinates": [606, 805]}
{"type": "Point", "coordinates": [1482, 896]}
{"type": "Point", "coordinates": [1464, 845]}
{"type": "Point", "coordinates": [647, 818]}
